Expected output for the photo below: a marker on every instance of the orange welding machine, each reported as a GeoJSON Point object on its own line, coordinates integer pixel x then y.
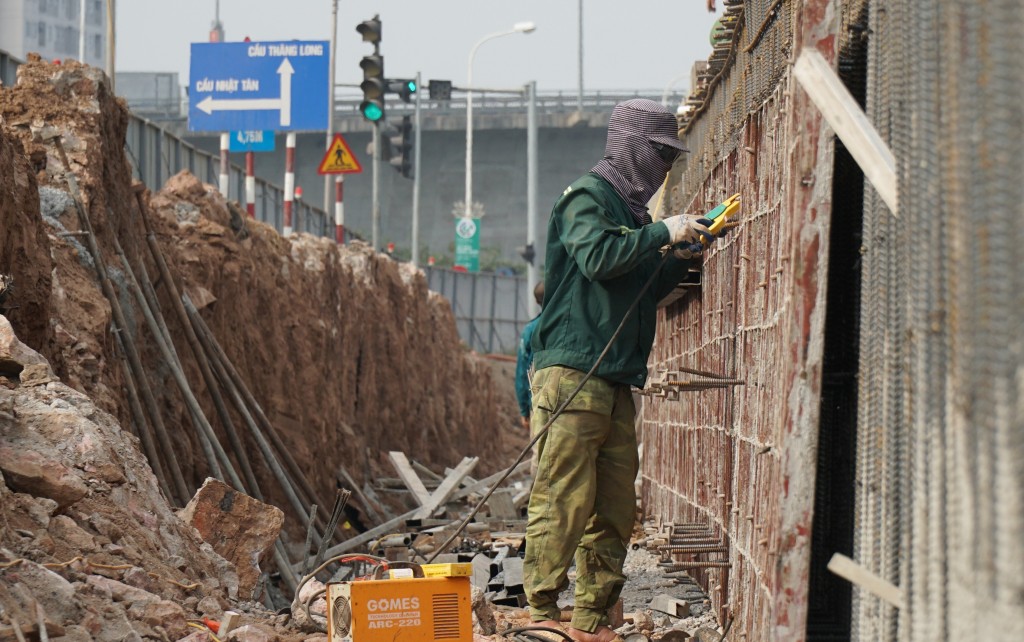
{"type": "Point", "coordinates": [420, 609]}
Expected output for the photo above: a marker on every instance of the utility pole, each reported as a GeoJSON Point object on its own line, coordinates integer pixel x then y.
{"type": "Point", "coordinates": [375, 207]}
{"type": "Point", "coordinates": [330, 98]}
{"type": "Point", "coordinates": [579, 88]}
{"type": "Point", "coordinates": [416, 178]}
{"type": "Point", "coordinates": [81, 32]}
{"type": "Point", "coordinates": [110, 43]}
{"type": "Point", "coordinates": [531, 194]}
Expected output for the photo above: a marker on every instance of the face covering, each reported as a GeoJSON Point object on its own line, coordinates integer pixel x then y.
{"type": "Point", "coordinates": [631, 164]}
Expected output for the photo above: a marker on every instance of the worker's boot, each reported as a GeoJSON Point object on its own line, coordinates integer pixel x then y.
{"type": "Point", "coordinates": [600, 634]}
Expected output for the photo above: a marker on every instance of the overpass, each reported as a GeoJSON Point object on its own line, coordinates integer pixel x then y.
{"type": "Point", "coordinates": [570, 142]}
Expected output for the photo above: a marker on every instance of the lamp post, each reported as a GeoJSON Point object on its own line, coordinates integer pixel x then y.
{"type": "Point", "coordinates": [519, 27]}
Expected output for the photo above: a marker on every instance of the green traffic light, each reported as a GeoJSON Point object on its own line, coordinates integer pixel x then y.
{"type": "Point", "coordinates": [372, 112]}
{"type": "Point", "coordinates": [410, 85]}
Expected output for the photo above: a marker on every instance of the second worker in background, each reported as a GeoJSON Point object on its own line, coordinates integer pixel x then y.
{"type": "Point", "coordinates": [602, 248]}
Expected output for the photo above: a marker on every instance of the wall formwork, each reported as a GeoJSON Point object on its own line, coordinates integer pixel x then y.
{"type": "Point", "coordinates": [938, 480]}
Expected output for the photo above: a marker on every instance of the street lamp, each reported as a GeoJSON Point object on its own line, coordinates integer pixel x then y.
{"type": "Point", "coordinates": [519, 27]}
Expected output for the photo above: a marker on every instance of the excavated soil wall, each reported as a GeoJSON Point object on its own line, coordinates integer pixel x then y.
{"type": "Point", "coordinates": [348, 352]}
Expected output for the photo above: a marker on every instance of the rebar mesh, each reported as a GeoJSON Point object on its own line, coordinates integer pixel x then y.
{"type": "Point", "coordinates": [941, 466]}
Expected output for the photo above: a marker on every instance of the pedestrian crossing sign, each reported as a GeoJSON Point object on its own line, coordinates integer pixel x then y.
{"type": "Point", "coordinates": [339, 159]}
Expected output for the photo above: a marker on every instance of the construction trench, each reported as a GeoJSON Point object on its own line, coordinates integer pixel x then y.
{"type": "Point", "coordinates": [832, 439]}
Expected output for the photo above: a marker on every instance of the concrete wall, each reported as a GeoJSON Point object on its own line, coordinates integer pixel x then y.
{"type": "Point", "coordinates": [499, 182]}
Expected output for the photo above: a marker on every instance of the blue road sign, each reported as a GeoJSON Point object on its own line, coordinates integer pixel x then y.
{"type": "Point", "coordinates": [279, 85]}
{"type": "Point", "coordinates": [247, 141]}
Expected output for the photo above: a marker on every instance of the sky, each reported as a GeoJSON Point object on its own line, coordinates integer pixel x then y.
{"type": "Point", "coordinates": [627, 44]}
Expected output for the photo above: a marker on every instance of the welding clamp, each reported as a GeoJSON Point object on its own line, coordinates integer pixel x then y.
{"type": "Point", "coordinates": [715, 221]}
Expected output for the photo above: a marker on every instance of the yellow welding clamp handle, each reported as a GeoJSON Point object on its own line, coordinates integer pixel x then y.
{"type": "Point", "coordinates": [730, 208]}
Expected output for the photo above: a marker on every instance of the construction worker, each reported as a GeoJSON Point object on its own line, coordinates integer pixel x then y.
{"type": "Point", "coordinates": [524, 359]}
{"type": "Point", "coordinates": [602, 248]}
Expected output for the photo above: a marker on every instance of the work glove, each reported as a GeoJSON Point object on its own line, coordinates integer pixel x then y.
{"type": "Point", "coordinates": [686, 231]}
{"type": "Point", "coordinates": [690, 250]}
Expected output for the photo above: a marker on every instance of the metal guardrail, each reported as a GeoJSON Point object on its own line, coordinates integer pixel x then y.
{"type": "Point", "coordinates": [347, 104]}
{"type": "Point", "coordinates": [156, 155]}
{"type": "Point", "coordinates": [490, 310]}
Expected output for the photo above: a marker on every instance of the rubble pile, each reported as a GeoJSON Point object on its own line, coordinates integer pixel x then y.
{"type": "Point", "coordinates": [341, 356]}
{"type": "Point", "coordinates": [341, 346]}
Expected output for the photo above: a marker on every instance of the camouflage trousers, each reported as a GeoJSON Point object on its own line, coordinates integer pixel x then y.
{"type": "Point", "coordinates": [583, 503]}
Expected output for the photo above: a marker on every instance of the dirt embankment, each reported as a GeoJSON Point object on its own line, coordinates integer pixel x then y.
{"type": "Point", "coordinates": [347, 351]}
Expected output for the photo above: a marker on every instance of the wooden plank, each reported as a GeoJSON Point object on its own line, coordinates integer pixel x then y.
{"type": "Point", "coordinates": [502, 506]}
{"type": "Point", "coordinates": [850, 123]}
{"type": "Point", "coordinates": [447, 487]}
{"type": "Point", "coordinates": [409, 476]}
{"type": "Point", "coordinates": [856, 574]}
{"type": "Point", "coordinates": [484, 484]}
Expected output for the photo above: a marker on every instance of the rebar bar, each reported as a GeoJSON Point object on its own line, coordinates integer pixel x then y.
{"type": "Point", "coordinates": [121, 325]}
{"type": "Point", "coordinates": [200, 356]}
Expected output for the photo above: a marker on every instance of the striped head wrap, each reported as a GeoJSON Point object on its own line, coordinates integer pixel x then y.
{"type": "Point", "coordinates": [630, 163]}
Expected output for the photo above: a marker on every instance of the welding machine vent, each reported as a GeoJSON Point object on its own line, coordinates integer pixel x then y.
{"type": "Point", "coordinates": [341, 613]}
{"type": "Point", "coordinates": [446, 616]}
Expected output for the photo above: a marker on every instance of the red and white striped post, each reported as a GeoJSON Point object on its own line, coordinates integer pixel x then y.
{"type": "Point", "coordinates": [250, 184]}
{"type": "Point", "coordinates": [339, 209]}
{"type": "Point", "coordinates": [289, 182]}
{"type": "Point", "coordinates": [225, 142]}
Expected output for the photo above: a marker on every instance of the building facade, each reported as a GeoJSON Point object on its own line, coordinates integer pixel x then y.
{"type": "Point", "coordinates": [53, 28]}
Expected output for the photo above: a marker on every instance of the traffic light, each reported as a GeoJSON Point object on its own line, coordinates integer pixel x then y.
{"type": "Point", "coordinates": [400, 148]}
{"type": "Point", "coordinates": [374, 85]}
{"type": "Point", "coordinates": [405, 89]}
{"type": "Point", "coordinates": [370, 30]}
{"type": "Point", "coordinates": [440, 89]}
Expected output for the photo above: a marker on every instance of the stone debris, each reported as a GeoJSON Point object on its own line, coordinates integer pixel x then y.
{"type": "Point", "coordinates": [241, 529]}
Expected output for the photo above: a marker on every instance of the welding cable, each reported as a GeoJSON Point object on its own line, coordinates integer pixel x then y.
{"type": "Point", "coordinates": [312, 597]}
{"type": "Point", "coordinates": [526, 633]}
{"type": "Point", "coordinates": [558, 411]}
{"type": "Point", "coordinates": [341, 559]}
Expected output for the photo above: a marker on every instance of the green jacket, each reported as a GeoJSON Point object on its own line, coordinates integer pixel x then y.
{"type": "Point", "coordinates": [598, 258]}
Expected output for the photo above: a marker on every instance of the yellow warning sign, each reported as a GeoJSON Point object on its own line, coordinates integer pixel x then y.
{"type": "Point", "coordinates": [339, 159]}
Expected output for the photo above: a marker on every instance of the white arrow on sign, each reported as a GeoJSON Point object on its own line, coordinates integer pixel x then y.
{"type": "Point", "coordinates": [284, 103]}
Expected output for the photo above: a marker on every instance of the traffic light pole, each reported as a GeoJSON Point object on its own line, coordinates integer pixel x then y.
{"type": "Point", "coordinates": [416, 178]}
{"type": "Point", "coordinates": [376, 187]}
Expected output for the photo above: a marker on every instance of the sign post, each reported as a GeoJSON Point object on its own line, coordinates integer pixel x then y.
{"type": "Point", "coordinates": [339, 160]}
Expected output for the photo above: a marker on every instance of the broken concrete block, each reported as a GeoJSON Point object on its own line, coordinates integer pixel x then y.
{"type": "Point", "coordinates": [512, 567]}
{"type": "Point", "coordinates": [252, 633]}
{"type": "Point", "coordinates": [484, 621]}
{"type": "Point", "coordinates": [119, 591]}
{"type": "Point", "coordinates": [241, 529]}
{"type": "Point", "coordinates": [670, 605]}
{"type": "Point", "coordinates": [165, 614]}
{"type": "Point", "coordinates": [27, 471]}
{"type": "Point", "coordinates": [643, 621]}
{"type": "Point", "coordinates": [481, 571]}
